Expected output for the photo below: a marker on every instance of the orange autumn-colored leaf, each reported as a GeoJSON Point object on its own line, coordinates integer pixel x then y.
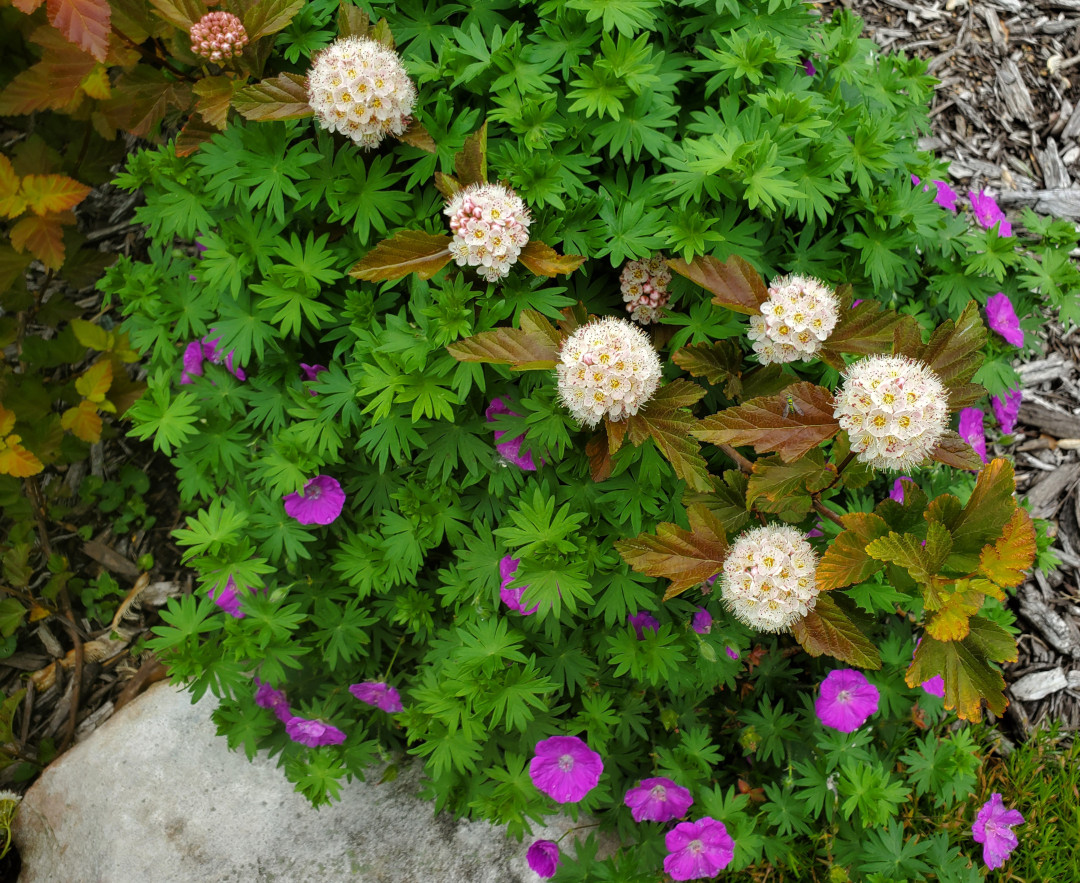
{"type": "Point", "coordinates": [471, 163]}
{"type": "Point", "coordinates": [1006, 560]}
{"type": "Point", "coordinates": [734, 283]}
{"type": "Point", "coordinates": [16, 461]}
{"type": "Point", "coordinates": [12, 202]}
{"type": "Point", "coordinates": [95, 381]}
{"type": "Point", "coordinates": [43, 235]}
{"type": "Point", "coordinates": [7, 420]}
{"type": "Point", "coordinates": [417, 136]}
{"type": "Point", "coordinates": [84, 421]}
{"type": "Point", "coordinates": [53, 193]}
{"type": "Point", "coordinates": [84, 23]}
{"type": "Point", "coordinates": [542, 260]}
{"type": "Point", "coordinates": [951, 621]}
{"type": "Point", "coordinates": [27, 6]}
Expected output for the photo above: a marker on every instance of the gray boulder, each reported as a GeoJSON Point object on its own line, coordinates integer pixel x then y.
{"type": "Point", "coordinates": [155, 796]}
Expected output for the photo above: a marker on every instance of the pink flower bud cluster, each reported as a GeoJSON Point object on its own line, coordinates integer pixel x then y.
{"type": "Point", "coordinates": [490, 225]}
{"type": "Point", "coordinates": [607, 368]}
{"type": "Point", "coordinates": [799, 314]}
{"type": "Point", "coordinates": [894, 410]}
{"type": "Point", "coordinates": [218, 36]}
{"type": "Point", "coordinates": [644, 288]}
{"type": "Point", "coordinates": [769, 578]}
{"type": "Point", "coordinates": [359, 87]}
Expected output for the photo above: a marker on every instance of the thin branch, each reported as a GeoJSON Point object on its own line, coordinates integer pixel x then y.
{"type": "Point", "coordinates": [740, 461]}
{"type": "Point", "coordinates": [825, 512]}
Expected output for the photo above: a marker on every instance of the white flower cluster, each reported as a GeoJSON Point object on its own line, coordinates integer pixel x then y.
{"type": "Point", "coordinates": [799, 314]}
{"type": "Point", "coordinates": [644, 288]}
{"type": "Point", "coordinates": [359, 87]}
{"type": "Point", "coordinates": [894, 410]}
{"type": "Point", "coordinates": [490, 225]}
{"type": "Point", "coordinates": [769, 578]}
{"type": "Point", "coordinates": [607, 368]}
{"type": "Point", "coordinates": [218, 36]}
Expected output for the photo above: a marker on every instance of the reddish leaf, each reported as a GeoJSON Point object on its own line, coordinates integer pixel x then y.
{"type": "Point", "coordinates": [734, 283]}
{"type": "Point", "coordinates": [907, 336]}
{"type": "Point", "coordinates": [471, 163]}
{"type": "Point", "coordinates": [534, 345]}
{"type": "Point", "coordinates": [446, 185]}
{"type": "Point", "coordinates": [715, 362]}
{"type": "Point", "coordinates": [141, 99]}
{"type": "Point", "coordinates": [181, 14]}
{"type": "Point", "coordinates": [761, 422]}
{"type": "Point", "coordinates": [829, 630]}
{"type": "Point", "coordinates": [268, 17]}
{"type": "Point", "coordinates": [955, 349]}
{"type": "Point", "coordinates": [417, 136]}
{"type": "Point", "coordinates": [846, 562]}
{"type": "Point", "coordinates": [213, 97]}
{"type": "Point", "coordinates": [954, 451]}
{"type": "Point", "coordinates": [27, 6]}
{"type": "Point", "coordinates": [543, 260]}
{"type": "Point", "coordinates": [862, 331]}
{"type": "Point", "coordinates": [12, 203]}
{"type": "Point", "coordinates": [672, 396]}
{"type": "Point", "coordinates": [410, 251]}
{"type": "Point", "coordinates": [764, 380]}
{"type": "Point", "coordinates": [43, 237]}
{"type": "Point", "coordinates": [352, 21]}
{"type": "Point", "coordinates": [83, 22]}
{"type": "Point", "coordinates": [788, 486]}
{"type": "Point", "coordinates": [599, 457]}
{"type": "Point", "coordinates": [51, 84]}
{"type": "Point", "coordinates": [671, 432]}
{"type": "Point", "coordinates": [686, 557]}
{"type": "Point", "coordinates": [616, 434]}
{"type": "Point", "coordinates": [195, 134]}
{"type": "Point", "coordinates": [380, 33]}
{"type": "Point", "coordinates": [283, 97]}
{"type": "Point", "coordinates": [1013, 553]}
{"type": "Point", "coordinates": [52, 193]}
{"type": "Point", "coordinates": [573, 318]}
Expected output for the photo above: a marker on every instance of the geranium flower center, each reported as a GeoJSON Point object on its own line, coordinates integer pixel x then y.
{"type": "Point", "coordinates": [566, 763]}
{"type": "Point", "coordinates": [695, 847]}
{"type": "Point", "coordinates": [843, 696]}
{"type": "Point", "coordinates": [658, 793]}
{"type": "Point", "coordinates": [313, 493]}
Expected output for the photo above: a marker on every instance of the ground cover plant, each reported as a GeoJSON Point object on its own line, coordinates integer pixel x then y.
{"type": "Point", "coordinates": [549, 378]}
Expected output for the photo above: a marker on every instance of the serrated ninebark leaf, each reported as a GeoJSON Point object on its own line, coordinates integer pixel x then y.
{"type": "Point", "coordinates": [83, 22]}
{"type": "Point", "coordinates": [762, 423]}
{"type": "Point", "coordinates": [685, 557]}
{"type": "Point", "coordinates": [671, 433]}
{"type": "Point", "coordinates": [84, 421]}
{"type": "Point", "coordinates": [764, 380]}
{"type": "Point", "coordinates": [734, 283]}
{"type": "Point", "coordinates": [534, 345]}
{"type": "Point", "coordinates": [954, 352]}
{"type": "Point", "coordinates": [27, 6]}
{"type": "Point", "coordinates": [141, 99]}
{"type": "Point", "coordinates": [573, 317]}
{"type": "Point", "coordinates": [616, 434]}
{"type": "Point", "coordinates": [15, 460]}
{"type": "Point", "coordinates": [953, 451]}
{"type": "Point", "coordinates": [788, 486]}
{"type": "Point", "coordinates": [51, 84]}
{"type": "Point", "coordinates": [270, 16]}
{"type": "Point", "coordinates": [964, 395]}
{"type": "Point", "coordinates": [12, 266]}
{"type": "Point", "coordinates": [12, 203]}
{"type": "Point", "coordinates": [922, 562]}
{"type": "Point", "coordinates": [447, 185]}
{"type": "Point", "coordinates": [1014, 552]}
{"type": "Point", "coordinates": [471, 163]}
{"type": "Point", "coordinates": [951, 622]}
{"type": "Point", "coordinates": [907, 337]}
{"type": "Point", "coordinates": [409, 251]}
{"type": "Point", "coordinates": [988, 510]}
{"type": "Point", "coordinates": [417, 136]}
{"type": "Point", "coordinates": [542, 260]}
{"type": "Point", "coordinates": [862, 331]}
{"type": "Point", "coordinates": [352, 21]}
{"type": "Point", "coordinates": [830, 630]}
{"type": "Point", "coordinates": [195, 134]}
{"type": "Point", "coordinates": [43, 237]}
{"type": "Point", "coordinates": [52, 193]}
{"type": "Point", "coordinates": [846, 561]}
{"type": "Point", "coordinates": [283, 97]}
{"type": "Point", "coordinates": [965, 668]}
{"type": "Point", "coordinates": [599, 455]}
{"type": "Point", "coordinates": [181, 14]}
{"type": "Point", "coordinates": [674, 395]}
{"type": "Point", "coordinates": [716, 362]}
{"type": "Point", "coordinates": [213, 99]}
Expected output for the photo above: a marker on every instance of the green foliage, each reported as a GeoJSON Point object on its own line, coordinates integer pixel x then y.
{"type": "Point", "coordinates": [627, 127]}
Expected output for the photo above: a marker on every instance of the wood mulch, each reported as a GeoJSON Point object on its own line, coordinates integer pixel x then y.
{"type": "Point", "coordinates": [1006, 114]}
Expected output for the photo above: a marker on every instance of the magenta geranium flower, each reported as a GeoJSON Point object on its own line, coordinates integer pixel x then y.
{"type": "Point", "coordinates": [212, 353]}
{"type": "Point", "coordinates": [642, 621]}
{"type": "Point", "coordinates": [1001, 317]}
{"type": "Point", "coordinates": [543, 858]}
{"type": "Point", "coordinates": [987, 213]}
{"type": "Point", "coordinates": [702, 621]}
{"type": "Point", "coordinates": [993, 829]}
{"type": "Point", "coordinates": [273, 700]}
{"type": "Point", "coordinates": [565, 768]}
{"type": "Point", "coordinates": [815, 531]}
{"type": "Point", "coordinates": [206, 350]}
{"type": "Point", "coordinates": [1007, 409]}
{"type": "Point", "coordinates": [311, 373]}
{"type": "Point", "coordinates": [228, 598]}
{"type": "Point", "coordinates": [698, 850]}
{"type": "Point", "coordinates": [512, 597]}
{"type": "Point", "coordinates": [657, 800]}
{"type": "Point", "coordinates": [320, 503]}
{"type": "Point", "coordinates": [945, 196]}
{"type": "Point", "coordinates": [313, 733]}
{"type": "Point", "coordinates": [971, 430]}
{"type": "Point", "coordinates": [846, 700]}
{"type": "Point", "coordinates": [379, 694]}
{"type": "Point", "coordinates": [808, 66]}
{"type": "Point", "coordinates": [731, 652]}
{"type": "Point", "coordinates": [510, 449]}
{"type": "Point", "coordinates": [897, 492]}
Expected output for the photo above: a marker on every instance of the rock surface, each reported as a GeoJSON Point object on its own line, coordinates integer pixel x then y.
{"type": "Point", "coordinates": [155, 795]}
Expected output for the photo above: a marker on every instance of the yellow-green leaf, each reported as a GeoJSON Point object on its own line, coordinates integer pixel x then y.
{"type": "Point", "coordinates": [829, 629]}
{"type": "Point", "coordinates": [1006, 560]}
{"type": "Point", "coordinates": [283, 97]}
{"type": "Point", "coordinates": [543, 260]}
